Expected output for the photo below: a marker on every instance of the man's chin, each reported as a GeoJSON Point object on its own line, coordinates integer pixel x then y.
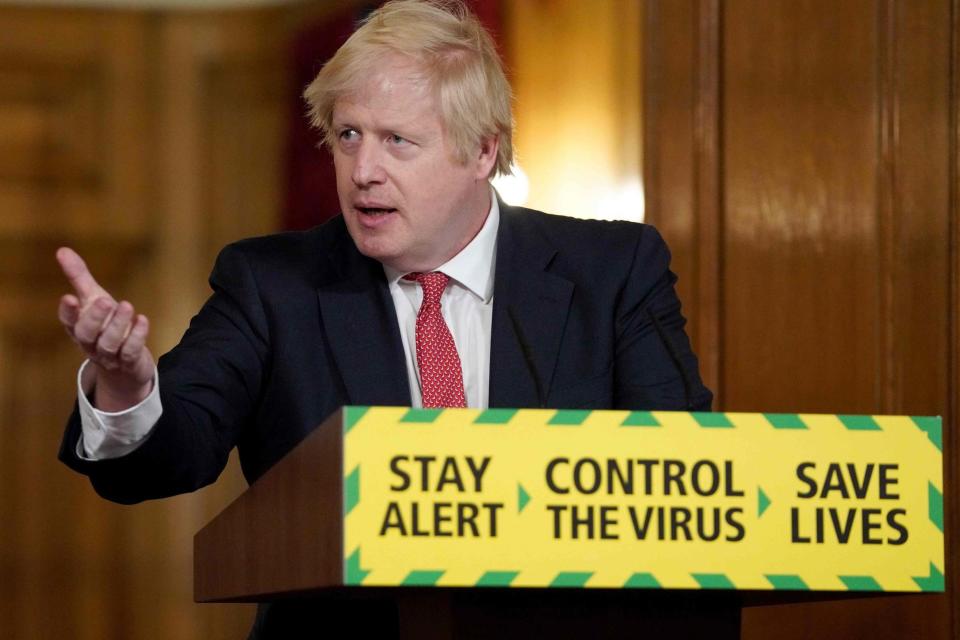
{"type": "Point", "coordinates": [376, 249]}
{"type": "Point", "coordinates": [385, 248]}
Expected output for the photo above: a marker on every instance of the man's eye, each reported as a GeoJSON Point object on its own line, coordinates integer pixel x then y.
{"type": "Point", "coordinates": [348, 134]}
{"type": "Point", "coordinates": [398, 140]}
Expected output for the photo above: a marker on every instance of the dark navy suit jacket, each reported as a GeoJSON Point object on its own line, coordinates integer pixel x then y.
{"type": "Point", "coordinates": [584, 316]}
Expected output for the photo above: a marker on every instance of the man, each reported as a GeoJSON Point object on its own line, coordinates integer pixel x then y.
{"type": "Point", "coordinates": [427, 291]}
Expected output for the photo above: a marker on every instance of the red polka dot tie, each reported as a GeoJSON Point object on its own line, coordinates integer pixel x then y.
{"type": "Point", "coordinates": [441, 377]}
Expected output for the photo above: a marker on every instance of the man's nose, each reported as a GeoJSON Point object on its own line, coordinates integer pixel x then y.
{"type": "Point", "coordinates": [368, 168]}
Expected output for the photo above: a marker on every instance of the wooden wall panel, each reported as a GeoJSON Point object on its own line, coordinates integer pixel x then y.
{"type": "Point", "coordinates": [831, 129]}
{"type": "Point", "coordinates": [564, 98]}
{"type": "Point", "coordinates": [918, 272]}
{"type": "Point", "coordinates": [682, 169]}
{"type": "Point", "coordinates": [669, 143]}
{"type": "Point", "coordinates": [73, 109]}
{"type": "Point", "coordinates": [800, 238]}
{"type": "Point", "coordinates": [146, 140]}
{"type": "Point", "coordinates": [67, 82]}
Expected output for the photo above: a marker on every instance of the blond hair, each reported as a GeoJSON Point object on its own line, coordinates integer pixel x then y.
{"type": "Point", "coordinates": [457, 56]}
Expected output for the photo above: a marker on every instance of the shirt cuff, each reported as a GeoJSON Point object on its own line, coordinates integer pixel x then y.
{"type": "Point", "coordinates": [111, 435]}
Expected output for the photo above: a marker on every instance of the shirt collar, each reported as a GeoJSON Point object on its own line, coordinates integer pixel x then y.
{"type": "Point", "coordinates": [474, 266]}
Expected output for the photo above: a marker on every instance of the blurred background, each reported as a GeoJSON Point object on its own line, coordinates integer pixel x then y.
{"type": "Point", "coordinates": [800, 156]}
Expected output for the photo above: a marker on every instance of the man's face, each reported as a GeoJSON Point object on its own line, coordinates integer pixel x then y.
{"type": "Point", "coordinates": [407, 201]}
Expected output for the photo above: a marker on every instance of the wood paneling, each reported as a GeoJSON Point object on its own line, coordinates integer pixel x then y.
{"type": "Point", "coordinates": [73, 109]}
{"type": "Point", "coordinates": [682, 165]}
{"type": "Point", "coordinates": [669, 40]}
{"type": "Point", "coordinates": [64, 92]}
{"type": "Point", "coordinates": [811, 206]}
{"type": "Point", "coordinates": [800, 254]}
{"type": "Point", "coordinates": [146, 140]}
{"type": "Point", "coordinates": [578, 116]}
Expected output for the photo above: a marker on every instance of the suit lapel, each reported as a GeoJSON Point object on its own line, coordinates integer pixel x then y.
{"type": "Point", "coordinates": [361, 328]}
{"type": "Point", "coordinates": [529, 305]}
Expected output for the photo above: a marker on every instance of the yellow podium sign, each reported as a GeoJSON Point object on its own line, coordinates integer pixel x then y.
{"type": "Point", "coordinates": [620, 499]}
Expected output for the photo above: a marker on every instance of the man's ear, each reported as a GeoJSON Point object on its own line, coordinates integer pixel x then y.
{"type": "Point", "coordinates": [486, 159]}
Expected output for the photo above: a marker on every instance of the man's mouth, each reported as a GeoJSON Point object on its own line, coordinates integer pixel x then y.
{"type": "Point", "coordinates": [375, 217]}
{"type": "Point", "coordinates": [375, 211]}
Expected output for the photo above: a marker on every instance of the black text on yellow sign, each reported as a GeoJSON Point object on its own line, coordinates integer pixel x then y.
{"type": "Point", "coordinates": [643, 477]}
{"type": "Point", "coordinates": [849, 482]}
{"type": "Point", "coordinates": [668, 500]}
{"type": "Point", "coordinates": [440, 518]}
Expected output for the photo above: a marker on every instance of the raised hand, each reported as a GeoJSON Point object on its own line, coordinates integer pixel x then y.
{"type": "Point", "coordinates": [111, 334]}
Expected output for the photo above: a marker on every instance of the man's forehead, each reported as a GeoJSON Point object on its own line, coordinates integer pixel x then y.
{"type": "Point", "coordinates": [402, 113]}
{"type": "Point", "coordinates": [390, 81]}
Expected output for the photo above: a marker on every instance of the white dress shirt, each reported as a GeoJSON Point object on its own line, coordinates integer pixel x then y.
{"type": "Point", "coordinates": [467, 307]}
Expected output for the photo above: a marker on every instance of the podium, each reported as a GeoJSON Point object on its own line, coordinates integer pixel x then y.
{"type": "Point", "coordinates": [366, 479]}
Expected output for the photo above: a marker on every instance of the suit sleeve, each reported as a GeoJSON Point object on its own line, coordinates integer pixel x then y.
{"type": "Point", "coordinates": [209, 389]}
{"type": "Point", "coordinates": [655, 367]}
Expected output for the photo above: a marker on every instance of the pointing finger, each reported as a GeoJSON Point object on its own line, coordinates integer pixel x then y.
{"type": "Point", "coordinates": [79, 275]}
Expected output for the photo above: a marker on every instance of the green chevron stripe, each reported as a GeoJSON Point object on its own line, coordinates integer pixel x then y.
{"type": "Point", "coordinates": [351, 416]}
{"type": "Point", "coordinates": [859, 423]}
{"type": "Point", "coordinates": [571, 579]}
{"type": "Point", "coordinates": [640, 419]}
{"type": "Point", "coordinates": [935, 505]}
{"type": "Point", "coordinates": [785, 421]}
{"type": "Point", "coordinates": [353, 574]}
{"type": "Point", "coordinates": [522, 498]}
{"type": "Point", "coordinates": [422, 578]}
{"type": "Point", "coordinates": [933, 427]}
{"type": "Point", "coordinates": [351, 490]}
{"type": "Point", "coordinates": [497, 578]}
{"type": "Point", "coordinates": [787, 582]}
{"type": "Point", "coordinates": [712, 420]}
{"type": "Point", "coordinates": [860, 583]}
{"type": "Point", "coordinates": [713, 581]}
{"type": "Point", "coordinates": [642, 581]}
{"type": "Point", "coordinates": [934, 582]}
{"type": "Point", "coordinates": [569, 417]}
{"type": "Point", "coordinates": [763, 502]}
{"type": "Point", "coordinates": [421, 415]}
{"type": "Point", "coordinates": [495, 416]}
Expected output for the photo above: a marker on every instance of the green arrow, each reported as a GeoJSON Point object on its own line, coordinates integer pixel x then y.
{"type": "Point", "coordinates": [762, 502]}
{"type": "Point", "coordinates": [522, 498]}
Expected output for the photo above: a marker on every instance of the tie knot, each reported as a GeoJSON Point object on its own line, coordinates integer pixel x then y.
{"type": "Point", "coordinates": [433, 284]}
